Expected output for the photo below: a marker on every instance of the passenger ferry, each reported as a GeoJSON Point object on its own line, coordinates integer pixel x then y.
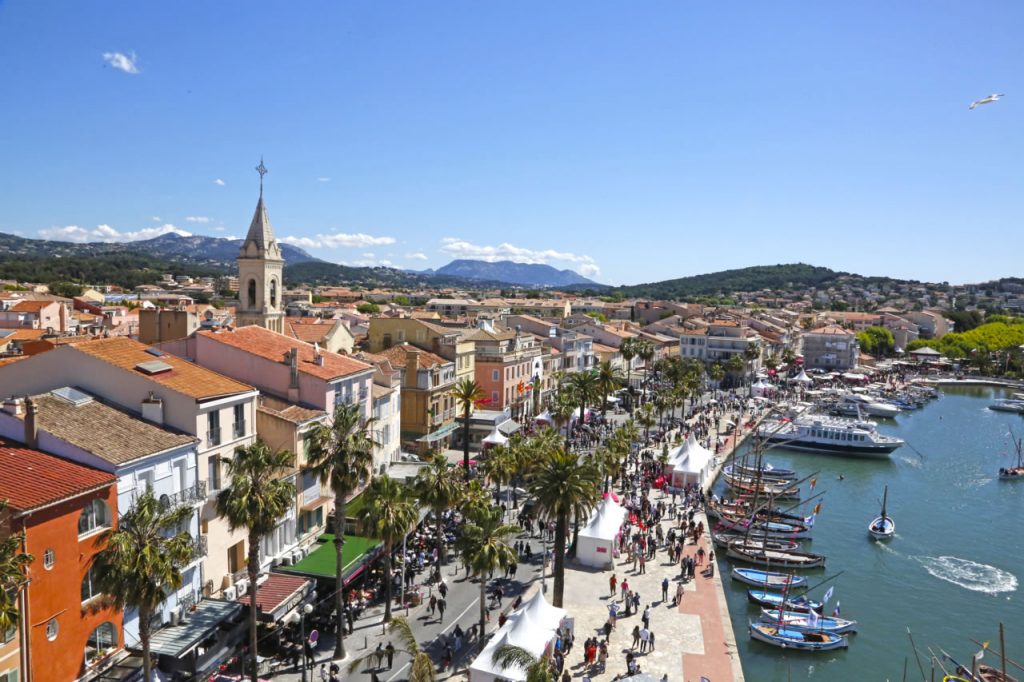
{"type": "Point", "coordinates": [833, 435]}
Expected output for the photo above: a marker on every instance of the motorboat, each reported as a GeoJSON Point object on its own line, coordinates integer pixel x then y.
{"type": "Point", "coordinates": [883, 527]}
{"type": "Point", "coordinates": [831, 435]}
{"type": "Point", "coordinates": [803, 621]}
{"type": "Point", "coordinates": [857, 404]}
{"type": "Point", "coordinates": [801, 640]}
{"type": "Point", "coordinates": [769, 579]}
{"type": "Point", "coordinates": [1008, 405]}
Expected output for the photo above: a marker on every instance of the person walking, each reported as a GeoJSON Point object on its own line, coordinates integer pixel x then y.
{"type": "Point", "coordinates": [389, 651]}
{"type": "Point", "coordinates": [647, 617]}
{"type": "Point", "coordinates": [612, 583]}
{"type": "Point", "coordinates": [441, 604]}
{"type": "Point", "coordinates": [679, 595]}
{"type": "Point", "coordinates": [664, 589]}
{"type": "Point", "coordinates": [636, 636]}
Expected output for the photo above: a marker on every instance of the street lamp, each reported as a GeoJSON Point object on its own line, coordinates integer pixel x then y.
{"type": "Point", "coordinates": [303, 612]}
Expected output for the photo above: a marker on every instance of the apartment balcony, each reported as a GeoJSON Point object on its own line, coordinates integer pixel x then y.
{"type": "Point", "coordinates": [194, 494]}
{"type": "Point", "coordinates": [239, 429]}
{"type": "Point", "coordinates": [200, 549]}
{"type": "Point", "coordinates": [213, 437]}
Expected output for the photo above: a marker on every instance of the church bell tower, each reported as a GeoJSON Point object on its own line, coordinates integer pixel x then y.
{"type": "Point", "coordinates": [260, 272]}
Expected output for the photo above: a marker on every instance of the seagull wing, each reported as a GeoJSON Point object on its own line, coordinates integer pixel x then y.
{"type": "Point", "coordinates": [974, 104]}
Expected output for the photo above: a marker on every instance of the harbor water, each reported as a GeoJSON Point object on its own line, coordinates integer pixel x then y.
{"type": "Point", "coordinates": [952, 572]}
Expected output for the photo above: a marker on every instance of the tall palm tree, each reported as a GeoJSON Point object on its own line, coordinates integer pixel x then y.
{"type": "Point", "coordinates": [422, 669]}
{"type": "Point", "coordinates": [716, 372]}
{"type": "Point", "coordinates": [645, 418]}
{"type": "Point", "coordinates": [143, 562]}
{"type": "Point", "coordinates": [499, 467]}
{"type": "Point", "coordinates": [257, 499]}
{"type": "Point", "coordinates": [512, 656]}
{"type": "Point", "coordinates": [608, 379]}
{"type": "Point", "coordinates": [436, 487]}
{"type": "Point", "coordinates": [467, 393]}
{"type": "Point", "coordinates": [627, 349]}
{"type": "Point", "coordinates": [735, 365]}
{"type": "Point", "coordinates": [388, 514]}
{"type": "Point", "coordinates": [485, 549]}
{"type": "Point", "coordinates": [585, 389]}
{"type": "Point", "coordinates": [645, 351]}
{"type": "Point", "coordinates": [13, 564]}
{"type": "Point", "coordinates": [561, 410]}
{"type": "Point", "coordinates": [341, 455]}
{"type": "Point", "coordinates": [561, 486]}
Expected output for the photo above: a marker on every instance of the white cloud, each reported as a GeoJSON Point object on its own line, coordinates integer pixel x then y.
{"type": "Point", "coordinates": [105, 233]}
{"type": "Point", "coordinates": [416, 256]}
{"type": "Point", "coordinates": [121, 61]}
{"type": "Point", "coordinates": [219, 228]}
{"type": "Point", "coordinates": [323, 179]}
{"type": "Point", "coordinates": [369, 255]}
{"type": "Point", "coordinates": [460, 248]}
{"type": "Point", "coordinates": [372, 262]}
{"type": "Point", "coordinates": [156, 219]}
{"type": "Point", "coordinates": [197, 219]}
{"type": "Point", "coordinates": [338, 240]}
{"type": "Point", "coordinates": [218, 182]}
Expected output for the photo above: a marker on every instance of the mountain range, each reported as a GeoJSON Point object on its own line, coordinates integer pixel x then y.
{"type": "Point", "coordinates": [510, 272]}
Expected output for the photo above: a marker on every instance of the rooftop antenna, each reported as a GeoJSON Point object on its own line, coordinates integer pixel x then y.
{"type": "Point", "coordinates": [262, 170]}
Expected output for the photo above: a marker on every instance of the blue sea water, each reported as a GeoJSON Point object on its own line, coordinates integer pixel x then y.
{"type": "Point", "coordinates": [953, 571]}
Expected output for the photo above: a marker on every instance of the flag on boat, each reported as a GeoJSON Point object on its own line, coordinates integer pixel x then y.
{"type": "Point", "coordinates": [809, 521]}
{"type": "Point", "coordinates": [813, 620]}
{"type": "Point", "coordinates": [817, 509]}
{"type": "Point", "coordinates": [814, 482]}
{"type": "Point", "coordinates": [828, 595]}
{"type": "Point", "coordinates": [835, 611]}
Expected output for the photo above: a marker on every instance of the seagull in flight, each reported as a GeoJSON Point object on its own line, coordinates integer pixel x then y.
{"type": "Point", "coordinates": [986, 100]}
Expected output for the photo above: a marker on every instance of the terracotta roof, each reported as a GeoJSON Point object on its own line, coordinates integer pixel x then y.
{"type": "Point", "coordinates": [380, 391]}
{"type": "Point", "coordinates": [296, 414]}
{"type": "Point", "coordinates": [30, 306]}
{"type": "Point", "coordinates": [30, 479]}
{"type": "Point", "coordinates": [122, 438]}
{"type": "Point", "coordinates": [398, 355]}
{"type": "Point", "coordinates": [26, 335]}
{"type": "Point", "coordinates": [833, 330]}
{"type": "Point", "coordinates": [272, 346]}
{"type": "Point", "coordinates": [184, 377]}
{"type": "Point", "coordinates": [601, 348]}
{"type": "Point", "coordinates": [275, 591]}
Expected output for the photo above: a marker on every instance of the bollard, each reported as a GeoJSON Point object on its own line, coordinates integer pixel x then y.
{"type": "Point", "coordinates": [365, 643]}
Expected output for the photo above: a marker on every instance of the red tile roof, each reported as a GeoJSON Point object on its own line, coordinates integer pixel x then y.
{"type": "Point", "coordinates": [274, 592]}
{"type": "Point", "coordinates": [399, 356]}
{"type": "Point", "coordinates": [30, 479]}
{"type": "Point", "coordinates": [30, 306]}
{"type": "Point", "coordinates": [272, 346]}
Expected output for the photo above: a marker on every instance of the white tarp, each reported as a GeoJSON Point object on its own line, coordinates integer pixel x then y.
{"type": "Point", "coordinates": [532, 627]}
{"type": "Point", "coordinates": [757, 390]}
{"type": "Point", "coordinates": [596, 543]}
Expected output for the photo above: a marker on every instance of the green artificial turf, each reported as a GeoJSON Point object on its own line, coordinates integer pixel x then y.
{"type": "Point", "coordinates": [321, 561]}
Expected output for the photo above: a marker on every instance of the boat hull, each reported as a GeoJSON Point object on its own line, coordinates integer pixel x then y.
{"type": "Point", "coordinates": [778, 559]}
{"type": "Point", "coordinates": [768, 580]}
{"type": "Point", "coordinates": [797, 640]}
{"type": "Point", "coordinates": [801, 621]}
{"type": "Point", "coordinates": [880, 451]}
{"type": "Point", "coordinates": [882, 528]}
{"type": "Point", "coordinates": [774, 600]}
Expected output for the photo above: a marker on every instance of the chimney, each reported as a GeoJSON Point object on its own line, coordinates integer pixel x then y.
{"type": "Point", "coordinates": [293, 374]}
{"type": "Point", "coordinates": [14, 406]}
{"type": "Point", "coordinates": [412, 365]}
{"type": "Point", "coordinates": [31, 427]}
{"type": "Point", "coordinates": [153, 409]}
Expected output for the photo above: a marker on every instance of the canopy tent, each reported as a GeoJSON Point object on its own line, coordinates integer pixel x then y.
{"type": "Point", "coordinates": [544, 417]}
{"type": "Point", "coordinates": [801, 378]}
{"type": "Point", "coordinates": [494, 438]}
{"type": "Point", "coordinates": [690, 463]}
{"type": "Point", "coordinates": [760, 388]}
{"type": "Point", "coordinates": [596, 543]}
{"type": "Point", "coordinates": [533, 627]}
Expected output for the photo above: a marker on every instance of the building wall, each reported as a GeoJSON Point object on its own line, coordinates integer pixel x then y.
{"type": "Point", "coordinates": [156, 325]}
{"type": "Point", "coordinates": [56, 593]}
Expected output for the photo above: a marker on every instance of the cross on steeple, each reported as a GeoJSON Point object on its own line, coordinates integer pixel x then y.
{"type": "Point", "coordinates": [262, 170]}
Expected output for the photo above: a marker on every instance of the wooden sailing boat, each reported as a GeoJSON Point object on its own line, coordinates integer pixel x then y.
{"type": "Point", "coordinates": [1015, 472]}
{"type": "Point", "coordinates": [883, 527]}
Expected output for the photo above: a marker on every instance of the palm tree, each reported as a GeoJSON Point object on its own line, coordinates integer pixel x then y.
{"type": "Point", "coordinates": [645, 418]}
{"type": "Point", "coordinates": [143, 561]}
{"type": "Point", "coordinates": [608, 379]}
{"type": "Point", "coordinates": [561, 410]}
{"type": "Point", "coordinates": [716, 372]}
{"type": "Point", "coordinates": [735, 365]}
{"type": "Point", "coordinates": [257, 499]}
{"type": "Point", "coordinates": [562, 486]}
{"type": "Point", "coordinates": [484, 549]}
{"type": "Point", "coordinates": [500, 467]}
{"type": "Point", "coordinates": [13, 564]}
{"type": "Point", "coordinates": [341, 454]}
{"type": "Point", "coordinates": [646, 352]}
{"type": "Point", "coordinates": [466, 393]}
{"type": "Point", "coordinates": [388, 514]}
{"type": "Point", "coordinates": [422, 667]}
{"type": "Point", "coordinates": [437, 488]}
{"type": "Point", "coordinates": [585, 389]}
{"type": "Point", "coordinates": [512, 656]}
{"type": "Point", "coordinates": [627, 349]}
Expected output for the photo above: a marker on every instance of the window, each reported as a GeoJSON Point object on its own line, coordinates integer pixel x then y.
{"type": "Point", "coordinates": [51, 629]}
{"type": "Point", "coordinates": [273, 294]}
{"type": "Point", "coordinates": [100, 643]}
{"type": "Point", "coordinates": [89, 589]}
{"type": "Point", "coordinates": [49, 556]}
{"type": "Point", "coordinates": [213, 473]}
{"type": "Point", "coordinates": [494, 375]}
{"type": "Point", "coordinates": [252, 294]}
{"type": "Point", "coordinates": [96, 514]}
{"type": "Point", "coordinates": [213, 428]}
{"type": "Point", "coordinates": [239, 421]}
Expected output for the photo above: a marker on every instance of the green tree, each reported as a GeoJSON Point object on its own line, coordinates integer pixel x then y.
{"type": "Point", "coordinates": [609, 378]}
{"type": "Point", "coordinates": [716, 372]}
{"type": "Point", "coordinates": [485, 549]}
{"type": "Point", "coordinates": [585, 390]}
{"type": "Point", "coordinates": [467, 393]}
{"type": "Point", "coordinates": [645, 351]}
{"type": "Point", "coordinates": [562, 486]}
{"type": "Point", "coordinates": [628, 349]}
{"type": "Point", "coordinates": [341, 455]}
{"type": "Point", "coordinates": [511, 656]}
{"type": "Point", "coordinates": [645, 417]}
{"type": "Point", "coordinates": [389, 515]}
{"type": "Point", "coordinates": [499, 467]}
{"type": "Point", "coordinates": [143, 562]}
{"type": "Point", "coordinates": [367, 308]}
{"type": "Point", "coordinates": [257, 499]}
{"type": "Point", "coordinates": [13, 566]}
{"type": "Point", "coordinates": [422, 669]}
{"type": "Point", "coordinates": [436, 487]}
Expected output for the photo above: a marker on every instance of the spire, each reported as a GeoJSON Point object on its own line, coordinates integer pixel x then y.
{"type": "Point", "coordinates": [261, 234]}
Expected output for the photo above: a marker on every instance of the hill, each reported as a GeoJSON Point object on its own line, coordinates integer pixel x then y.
{"type": "Point", "coordinates": [509, 272]}
{"type": "Point", "coordinates": [779, 277]}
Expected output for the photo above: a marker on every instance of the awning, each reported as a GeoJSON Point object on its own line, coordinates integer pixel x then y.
{"type": "Point", "coordinates": [278, 595]}
{"type": "Point", "coordinates": [322, 561]}
{"type": "Point", "coordinates": [177, 640]}
{"type": "Point", "coordinates": [434, 436]}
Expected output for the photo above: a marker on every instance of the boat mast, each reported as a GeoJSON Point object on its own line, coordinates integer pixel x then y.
{"type": "Point", "coordinates": [885, 498]}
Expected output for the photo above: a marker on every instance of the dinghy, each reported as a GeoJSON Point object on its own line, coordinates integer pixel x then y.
{"type": "Point", "coordinates": [801, 640]}
{"type": "Point", "coordinates": [775, 600]}
{"type": "Point", "coordinates": [802, 621]}
{"type": "Point", "coordinates": [753, 554]}
{"type": "Point", "coordinates": [883, 527]}
{"type": "Point", "coordinates": [768, 579]}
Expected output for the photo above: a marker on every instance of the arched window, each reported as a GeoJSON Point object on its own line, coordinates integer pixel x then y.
{"type": "Point", "coordinates": [251, 303]}
{"type": "Point", "coordinates": [273, 294]}
{"type": "Point", "coordinates": [101, 642]}
{"type": "Point", "coordinates": [95, 515]}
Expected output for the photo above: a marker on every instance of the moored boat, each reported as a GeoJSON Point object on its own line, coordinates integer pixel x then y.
{"type": "Point", "coordinates": [801, 640]}
{"type": "Point", "coordinates": [723, 540]}
{"type": "Point", "coordinates": [769, 529]}
{"type": "Point", "coordinates": [803, 621]}
{"type": "Point", "coordinates": [834, 436]}
{"type": "Point", "coordinates": [768, 579]}
{"type": "Point", "coordinates": [766, 472]}
{"type": "Point", "coordinates": [772, 557]}
{"type": "Point", "coordinates": [748, 486]}
{"type": "Point", "coordinates": [775, 600]}
{"type": "Point", "coordinates": [1016, 472]}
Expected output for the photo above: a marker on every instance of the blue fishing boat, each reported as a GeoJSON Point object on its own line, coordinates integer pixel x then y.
{"type": "Point", "coordinates": [774, 600]}
{"type": "Point", "coordinates": [768, 579]}
{"type": "Point", "coordinates": [800, 640]}
{"type": "Point", "coordinates": [803, 621]}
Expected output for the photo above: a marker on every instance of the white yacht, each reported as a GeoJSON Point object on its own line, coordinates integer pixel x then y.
{"type": "Point", "coordinates": [851, 402]}
{"type": "Point", "coordinates": [833, 435]}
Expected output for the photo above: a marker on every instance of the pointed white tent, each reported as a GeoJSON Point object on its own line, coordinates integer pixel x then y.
{"type": "Point", "coordinates": [801, 378]}
{"type": "Point", "coordinates": [494, 438]}
{"type": "Point", "coordinates": [533, 627]}
{"type": "Point", "coordinates": [544, 417]}
{"type": "Point", "coordinates": [758, 389]}
{"type": "Point", "coordinates": [690, 464]}
{"type": "Point", "coordinates": [596, 544]}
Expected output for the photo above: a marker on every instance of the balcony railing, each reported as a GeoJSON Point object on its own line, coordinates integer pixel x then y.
{"type": "Point", "coordinates": [213, 437]}
{"type": "Point", "coordinates": [194, 494]}
{"type": "Point", "coordinates": [239, 429]}
{"type": "Point", "coordinates": [200, 549]}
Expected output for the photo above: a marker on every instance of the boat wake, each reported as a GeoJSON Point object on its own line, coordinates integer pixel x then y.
{"type": "Point", "coordinates": [969, 574]}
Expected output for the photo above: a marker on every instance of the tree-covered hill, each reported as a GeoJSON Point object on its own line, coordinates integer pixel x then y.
{"type": "Point", "coordinates": [788, 277]}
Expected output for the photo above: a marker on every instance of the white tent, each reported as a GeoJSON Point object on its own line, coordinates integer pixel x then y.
{"type": "Point", "coordinates": [596, 544]}
{"type": "Point", "coordinates": [532, 627]}
{"type": "Point", "coordinates": [494, 438]}
{"type": "Point", "coordinates": [691, 463]}
{"type": "Point", "coordinates": [544, 417]}
{"type": "Point", "coordinates": [801, 378]}
{"type": "Point", "coordinates": [758, 389]}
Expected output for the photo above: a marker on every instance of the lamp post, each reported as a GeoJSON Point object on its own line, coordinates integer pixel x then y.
{"type": "Point", "coordinates": [303, 612]}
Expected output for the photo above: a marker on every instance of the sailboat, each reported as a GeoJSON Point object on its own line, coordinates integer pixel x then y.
{"type": "Point", "coordinates": [883, 527]}
{"type": "Point", "coordinates": [1016, 472]}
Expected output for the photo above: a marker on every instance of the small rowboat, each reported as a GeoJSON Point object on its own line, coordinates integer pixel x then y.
{"type": "Point", "coordinates": [771, 529]}
{"type": "Point", "coordinates": [768, 579]}
{"type": "Point", "coordinates": [801, 640]}
{"type": "Point", "coordinates": [774, 600]}
{"type": "Point", "coordinates": [801, 621]}
{"type": "Point", "coordinates": [774, 557]}
{"type": "Point", "coordinates": [883, 527]}
{"type": "Point", "coordinates": [725, 539]}
{"type": "Point", "coordinates": [768, 475]}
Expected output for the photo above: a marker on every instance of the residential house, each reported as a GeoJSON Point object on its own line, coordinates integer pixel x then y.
{"type": "Point", "coordinates": [507, 363]}
{"type": "Point", "coordinates": [428, 414]}
{"type": "Point", "coordinates": [52, 315]}
{"type": "Point", "coordinates": [331, 335]}
{"type": "Point", "coordinates": [830, 347]}
{"type": "Point", "coordinates": [448, 342]}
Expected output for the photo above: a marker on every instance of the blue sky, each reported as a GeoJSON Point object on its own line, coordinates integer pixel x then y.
{"type": "Point", "coordinates": [630, 141]}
